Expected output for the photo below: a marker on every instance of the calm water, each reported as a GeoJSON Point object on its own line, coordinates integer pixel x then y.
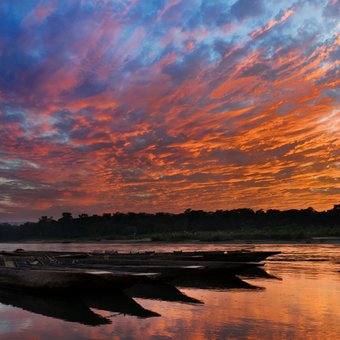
{"type": "Point", "coordinates": [297, 297]}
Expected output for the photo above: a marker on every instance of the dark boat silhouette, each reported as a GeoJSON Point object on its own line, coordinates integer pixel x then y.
{"type": "Point", "coordinates": [218, 255]}
{"type": "Point", "coordinates": [215, 255]}
{"type": "Point", "coordinates": [65, 279]}
{"type": "Point", "coordinates": [229, 256]}
{"type": "Point", "coordinates": [202, 267]}
{"type": "Point", "coordinates": [153, 272]}
{"type": "Point", "coordinates": [73, 271]}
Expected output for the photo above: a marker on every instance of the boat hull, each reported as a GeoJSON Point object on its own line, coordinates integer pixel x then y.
{"type": "Point", "coordinates": [64, 280]}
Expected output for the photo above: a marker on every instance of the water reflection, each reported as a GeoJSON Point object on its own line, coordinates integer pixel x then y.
{"type": "Point", "coordinates": [160, 291]}
{"type": "Point", "coordinates": [68, 308]}
{"type": "Point", "coordinates": [218, 282]}
{"type": "Point", "coordinates": [76, 308]}
{"type": "Point", "coordinates": [119, 303]}
{"type": "Point", "coordinates": [259, 272]}
{"type": "Point", "coordinates": [304, 304]}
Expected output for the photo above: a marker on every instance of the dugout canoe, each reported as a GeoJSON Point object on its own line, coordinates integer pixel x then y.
{"type": "Point", "coordinates": [231, 256]}
{"type": "Point", "coordinates": [203, 267]}
{"type": "Point", "coordinates": [68, 279]}
{"type": "Point", "coordinates": [164, 272]}
{"type": "Point", "coordinates": [227, 256]}
{"type": "Point", "coordinates": [215, 255]}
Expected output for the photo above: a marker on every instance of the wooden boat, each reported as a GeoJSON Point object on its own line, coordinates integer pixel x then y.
{"type": "Point", "coordinates": [60, 279]}
{"type": "Point", "coordinates": [68, 270]}
{"type": "Point", "coordinates": [206, 267]}
{"type": "Point", "coordinates": [165, 273]}
{"type": "Point", "coordinates": [169, 267]}
{"type": "Point", "coordinates": [230, 256]}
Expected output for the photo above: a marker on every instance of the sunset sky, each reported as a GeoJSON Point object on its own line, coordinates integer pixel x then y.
{"type": "Point", "coordinates": [155, 105]}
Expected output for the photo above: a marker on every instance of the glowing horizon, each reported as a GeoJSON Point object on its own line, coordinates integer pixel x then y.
{"type": "Point", "coordinates": [110, 105]}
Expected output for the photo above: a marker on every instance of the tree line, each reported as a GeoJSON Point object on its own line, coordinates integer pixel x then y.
{"type": "Point", "coordinates": [136, 225]}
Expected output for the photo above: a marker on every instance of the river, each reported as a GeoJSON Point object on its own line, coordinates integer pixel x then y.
{"type": "Point", "coordinates": [295, 296]}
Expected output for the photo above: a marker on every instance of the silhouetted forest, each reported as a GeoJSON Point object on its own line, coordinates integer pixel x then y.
{"type": "Point", "coordinates": [191, 224]}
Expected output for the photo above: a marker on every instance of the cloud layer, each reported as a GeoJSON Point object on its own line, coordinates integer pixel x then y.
{"type": "Point", "coordinates": [134, 105]}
